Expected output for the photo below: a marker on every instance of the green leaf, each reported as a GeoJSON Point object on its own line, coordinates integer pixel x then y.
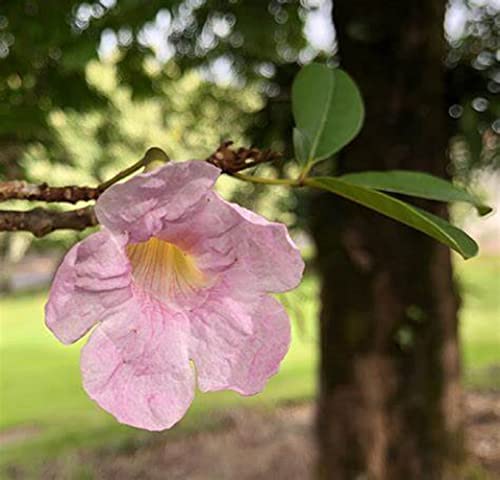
{"type": "Point", "coordinates": [416, 184]}
{"type": "Point", "coordinates": [328, 109]}
{"type": "Point", "coordinates": [427, 223]}
{"type": "Point", "coordinates": [300, 146]}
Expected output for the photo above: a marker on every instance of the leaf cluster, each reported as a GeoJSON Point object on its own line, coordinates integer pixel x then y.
{"type": "Point", "coordinates": [328, 110]}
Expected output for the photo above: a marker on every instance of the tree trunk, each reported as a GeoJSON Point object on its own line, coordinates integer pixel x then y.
{"type": "Point", "coordinates": [390, 398]}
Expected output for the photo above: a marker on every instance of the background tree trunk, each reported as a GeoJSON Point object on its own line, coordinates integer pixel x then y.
{"type": "Point", "coordinates": [390, 399]}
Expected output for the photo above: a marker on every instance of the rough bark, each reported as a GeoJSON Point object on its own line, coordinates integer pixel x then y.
{"type": "Point", "coordinates": [41, 221]}
{"type": "Point", "coordinates": [389, 405]}
{"type": "Point", "coordinates": [21, 190]}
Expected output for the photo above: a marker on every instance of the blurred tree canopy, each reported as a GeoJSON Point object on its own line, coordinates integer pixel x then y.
{"type": "Point", "coordinates": [47, 46]}
{"type": "Point", "coordinates": [86, 87]}
{"type": "Point", "coordinates": [44, 56]}
{"type": "Point", "coordinates": [473, 62]}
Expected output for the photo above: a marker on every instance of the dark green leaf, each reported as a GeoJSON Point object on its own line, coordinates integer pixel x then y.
{"type": "Point", "coordinates": [416, 184]}
{"type": "Point", "coordinates": [431, 225]}
{"type": "Point", "coordinates": [327, 108]}
{"type": "Point", "coordinates": [300, 146]}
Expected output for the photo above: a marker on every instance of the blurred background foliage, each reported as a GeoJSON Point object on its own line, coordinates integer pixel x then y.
{"type": "Point", "coordinates": [473, 34]}
{"type": "Point", "coordinates": [85, 88]}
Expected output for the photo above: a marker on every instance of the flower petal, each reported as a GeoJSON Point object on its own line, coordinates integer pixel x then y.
{"type": "Point", "coordinates": [136, 366]}
{"type": "Point", "coordinates": [92, 280]}
{"type": "Point", "coordinates": [253, 252]}
{"type": "Point", "coordinates": [139, 205]}
{"type": "Point", "coordinates": [228, 354]}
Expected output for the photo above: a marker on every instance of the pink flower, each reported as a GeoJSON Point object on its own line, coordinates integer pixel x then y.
{"type": "Point", "coordinates": [176, 274]}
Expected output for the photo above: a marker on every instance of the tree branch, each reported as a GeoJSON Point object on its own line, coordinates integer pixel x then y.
{"type": "Point", "coordinates": [231, 161]}
{"type": "Point", "coordinates": [21, 190]}
{"type": "Point", "coordinates": [41, 221]}
{"type": "Point", "coordinates": [226, 158]}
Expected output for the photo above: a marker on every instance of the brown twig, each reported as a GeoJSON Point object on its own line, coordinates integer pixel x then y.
{"type": "Point", "coordinates": [41, 221]}
{"type": "Point", "coordinates": [231, 161]}
{"type": "Point", "coordinates": [21, 190]}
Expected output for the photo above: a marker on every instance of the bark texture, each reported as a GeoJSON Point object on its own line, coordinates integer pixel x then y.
{"type": "Point", "coordinates": [21, 190]}
{"type": "Point", "coordinates": [41, 221]}
{"type": "Point", "coordinates": [390, 400]}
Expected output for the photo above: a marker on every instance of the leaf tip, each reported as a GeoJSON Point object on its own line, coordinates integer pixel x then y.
{"type": "Point", "coordinates": [483, 210]}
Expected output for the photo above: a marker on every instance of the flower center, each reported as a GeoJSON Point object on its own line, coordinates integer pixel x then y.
{"type": "Point", "coordinates": [164, 270]}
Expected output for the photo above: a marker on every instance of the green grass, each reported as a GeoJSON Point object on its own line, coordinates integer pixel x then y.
{"type": "Point", "coordinates": [479, 283]}
{"type": "Point", "coordinates": [41, 392]}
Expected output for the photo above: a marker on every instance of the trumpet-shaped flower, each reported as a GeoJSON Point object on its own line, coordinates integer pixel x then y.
{"type": "Point", "coordinates": [177, 284]}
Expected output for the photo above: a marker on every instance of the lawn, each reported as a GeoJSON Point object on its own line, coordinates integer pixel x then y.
{"type": "Point", "coordinates": [44, 411]}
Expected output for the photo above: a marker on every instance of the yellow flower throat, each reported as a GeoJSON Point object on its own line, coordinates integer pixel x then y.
{"type": "Point", "coordinates": [164, 270]}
